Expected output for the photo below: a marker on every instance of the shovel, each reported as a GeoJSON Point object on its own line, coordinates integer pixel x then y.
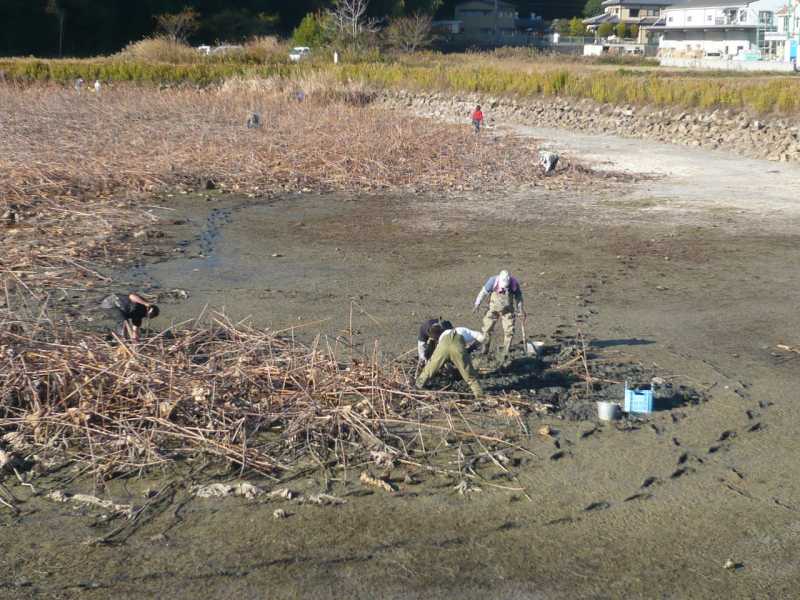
{"type": "Point", "coordinates": [530, 349]}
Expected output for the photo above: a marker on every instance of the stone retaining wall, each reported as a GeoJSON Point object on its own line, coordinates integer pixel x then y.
{"type": "Point", "coordinates": [772, 138]}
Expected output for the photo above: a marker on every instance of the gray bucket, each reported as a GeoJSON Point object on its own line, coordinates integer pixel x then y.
{"type": "Point", "coordinates": [608, 411]}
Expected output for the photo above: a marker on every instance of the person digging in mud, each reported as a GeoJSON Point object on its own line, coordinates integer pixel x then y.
{"type": "Point", "coordinates": [477, 118]}
{"type": "Point", "coordinates": [128, 311]}
{"type": "Point", "coordinates": [453, 347]}
{"type": "Point", "coordinates": [505, 302]}
{"type": "Point", "coordinates": [429, 333]}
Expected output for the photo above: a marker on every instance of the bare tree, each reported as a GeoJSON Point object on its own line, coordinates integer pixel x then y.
{"type": "Point", "coordinates": [410, 33]}
{"type": "Point", "coordinates": [349, 21]}
{"type": "Point", "coordinates": [179, 26]}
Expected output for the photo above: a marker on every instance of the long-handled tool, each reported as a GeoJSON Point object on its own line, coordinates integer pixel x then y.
{"type": "Point", "coordinates": [530, 349]}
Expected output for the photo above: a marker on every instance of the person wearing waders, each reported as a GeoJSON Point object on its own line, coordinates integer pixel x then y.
{"type": "Point", "coordinates": [453, 346]}
{"type": "Point", "coordinates": [505, 301]}
{"type": "Point", "coordinates": [429, 333]}
{"type": "Point", "coordinates": [128, 311]}
{"type": "Point", "coordinates": [477, 118]}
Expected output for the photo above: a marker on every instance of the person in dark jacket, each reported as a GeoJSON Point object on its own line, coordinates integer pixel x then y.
{"type": "Point", "coordinates": [128, 311]}
{"type": "Point", "coordinates": [429, 333]}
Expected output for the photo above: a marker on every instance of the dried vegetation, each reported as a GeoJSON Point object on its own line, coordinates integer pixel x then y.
{"type": "Point", "coordinates": [250, 397]}
{"type": "Point", "coordinates": [76, 166]}
{"type": "Point", "coordinates": [78, 173]}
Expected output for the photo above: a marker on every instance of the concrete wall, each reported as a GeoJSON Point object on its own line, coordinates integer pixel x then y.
{"type": "Point", "coordinates": [727, 43]}
{"type": "Point", "coordinates": [773, 138]}
{"type": "Point", "coordinates": [719, 64]}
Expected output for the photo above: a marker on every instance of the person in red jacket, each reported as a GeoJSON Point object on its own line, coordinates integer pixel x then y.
{"type": "Point", "coordinates": [477, 118]}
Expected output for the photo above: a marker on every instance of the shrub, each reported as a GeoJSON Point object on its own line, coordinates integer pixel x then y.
{"type": "Point", "coordinates": [620, 30]}
{"type": "Point", "coordinates": [266, 49]}
{"type": "Point", "coordinates": [311, 31]}
{"type": "Point", "coordinates": [161, 49]}
{"type": "Point", "coordinates": [605, 29]}
{"type": "Point", "coordinates": [576, 27]}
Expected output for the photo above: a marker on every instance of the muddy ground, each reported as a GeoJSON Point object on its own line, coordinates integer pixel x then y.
{"type": "Point", "coordinates": [692, 275]}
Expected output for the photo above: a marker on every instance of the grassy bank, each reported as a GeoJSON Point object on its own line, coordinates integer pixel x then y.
{"type": "Point", "coordinates": [474, 73]}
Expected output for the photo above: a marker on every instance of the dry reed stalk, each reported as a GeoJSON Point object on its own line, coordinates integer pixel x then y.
{"type": "Point", "coordinates": [243, 395]}
{"type": "Point", "coordinates": [75, 167]}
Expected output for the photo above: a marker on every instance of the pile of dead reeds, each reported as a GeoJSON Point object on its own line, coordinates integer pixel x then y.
{"type": "Point", "coordinates": [250, 397]}
{"type": "Point", "coordinates": [75, 167]}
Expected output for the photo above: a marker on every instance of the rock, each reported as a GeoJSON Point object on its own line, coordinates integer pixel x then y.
{"type": "Point", "coordinates": [279, 513]}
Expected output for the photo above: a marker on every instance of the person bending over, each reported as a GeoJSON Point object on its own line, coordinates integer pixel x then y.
{"type": "Point", "coordinates": [429, 333]}
{"type": "Point", "coordinates": [453, 346]}
{"type": "Point", "coordinates": [128, 311]}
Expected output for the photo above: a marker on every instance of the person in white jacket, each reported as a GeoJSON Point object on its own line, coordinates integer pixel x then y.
{"type": "Point", "coordinates": [453, 346]}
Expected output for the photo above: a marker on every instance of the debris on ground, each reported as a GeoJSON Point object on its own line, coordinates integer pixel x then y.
{"type": "Point", "coordinates": [222, 490]}
{"type": "Point", "coordinates": [369, 480]}
{"type": "Point", "coordinates": [325, 500]}
{"type": "Point", "coordinates": [87, 500]}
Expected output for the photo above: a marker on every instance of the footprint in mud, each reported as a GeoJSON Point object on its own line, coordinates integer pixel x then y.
{"type": "Point", "coordinates": [601, 505]}
{"type": "Point", "coordinates": [638, 496]}
{"type": "Point", "coordinates": [588, 432]}
{"type": "Point", "coordinates": [558, 455]}
{"type": "Point", "coordinates": [648, 482]}
{"type": "Point", "coordinates": [684, 458]}
{"type": "Point", "coordinates": [676, 441]}
{"type": "Point", "coordinates": [681, 472]}
{"type": "Point", "coordinates": [755, 427]}
{"type": "Point", "coordinates": [752, 414]}
{"type": "Point", "coordinates": [764, 403]}
{"type": "Point", "coordinates": [714, 449]}
{"type": "Point", "coordinates": [726, 435]}
{"type": "Point", "coordinates": [212, 230]}
{"type": "Point", "coordinates": [562, 521]}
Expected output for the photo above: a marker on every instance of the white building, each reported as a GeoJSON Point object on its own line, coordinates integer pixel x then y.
{"type": "Point", "coordinates": [783, 43]}
{"type": "Point", "coordinates": [702, 28]}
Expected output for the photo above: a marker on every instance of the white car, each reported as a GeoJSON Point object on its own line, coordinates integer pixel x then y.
{"type": "Point", "coordinates": [298, 53]}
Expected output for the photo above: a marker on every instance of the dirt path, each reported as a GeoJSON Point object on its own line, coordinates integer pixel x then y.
{"type": "Point", "coordinates": [694, 273]}
{"type": "Point", "coordinates": [692, 178]}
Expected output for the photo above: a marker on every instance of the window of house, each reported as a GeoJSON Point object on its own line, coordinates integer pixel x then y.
{"type": "Point", "coordinates": [669, 20]}
{"type": "Point", "coordinates": [710, 18]}
{"type": "Point", "coordinates": [634, 12]}
{"type": "Point", "coordinates": [689, 19]}
{"type": "Point", "coordinates": [742, 16]}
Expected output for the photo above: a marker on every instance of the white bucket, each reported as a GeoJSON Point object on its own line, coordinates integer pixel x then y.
{"type": "Point", "coordinates": [608, 411]}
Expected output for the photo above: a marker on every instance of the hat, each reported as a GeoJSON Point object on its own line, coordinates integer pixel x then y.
{"type": "Point", "coordinates": [503, 280]}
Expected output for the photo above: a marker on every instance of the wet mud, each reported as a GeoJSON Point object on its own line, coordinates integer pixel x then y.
{"type": "Point", "coordinates": [649, 506]}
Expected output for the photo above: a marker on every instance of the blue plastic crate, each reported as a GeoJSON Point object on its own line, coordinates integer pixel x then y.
{"type": "Point", "coordinates": [637, 400]}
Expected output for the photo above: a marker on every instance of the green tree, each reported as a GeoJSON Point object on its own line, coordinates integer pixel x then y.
{"type": "Point", "coordinates": [311, 31]}
{"type": "Point", "coordinates": [634, 31]}
{"type": "Point", "coordinates": [576, 27]}
{"type": "Point", "coordinates": [620, 30]}
{"type": "Point", "coordinates": [593, 8]}
{"type": "Point", "coordinates": [561, 26]}
{"type": "Point", "coordinates": [605, 30]}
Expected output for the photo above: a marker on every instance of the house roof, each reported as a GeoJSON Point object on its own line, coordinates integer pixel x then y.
{"type": "Point", "coordinates": [614, 19]}
{"type": "Point", "coordinates": [600, 19]}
